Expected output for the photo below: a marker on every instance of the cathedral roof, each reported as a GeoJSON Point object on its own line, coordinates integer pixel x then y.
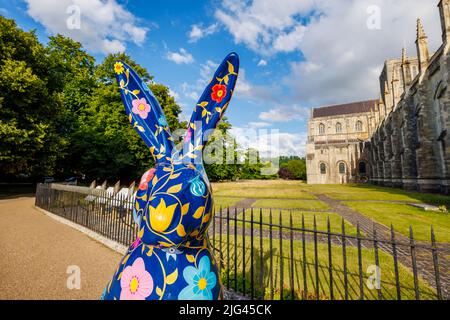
{"type": "Point", "coordinates": [341, 109]}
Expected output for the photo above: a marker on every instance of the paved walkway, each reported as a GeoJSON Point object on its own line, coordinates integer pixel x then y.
{"type": "Point", "coordinates": [37, 250]}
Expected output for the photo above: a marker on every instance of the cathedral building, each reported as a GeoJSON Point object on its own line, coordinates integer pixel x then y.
{"type": "Point", "coordinates": [399, 140]}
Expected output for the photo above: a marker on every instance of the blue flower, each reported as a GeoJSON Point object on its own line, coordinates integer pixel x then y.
{"type": "Point", "coordinates": [145, 86]}
{"type": "Point", "coordinates": [162, 121]}
{"type": "Point", "coordinates": [200, 281]}
{"type": "Point", "coordinates": [197, 187]}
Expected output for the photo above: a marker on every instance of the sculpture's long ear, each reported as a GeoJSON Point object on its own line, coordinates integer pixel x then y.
{"type": "Point", "coordinates": [144, 112]}
{"type": "Point", "coordinates": [211, 106]}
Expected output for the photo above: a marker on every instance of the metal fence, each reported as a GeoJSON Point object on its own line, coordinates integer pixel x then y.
{"type": "Point", "coordinates": [268, 254]}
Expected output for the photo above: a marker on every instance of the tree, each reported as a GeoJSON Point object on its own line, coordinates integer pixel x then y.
{"type": "Point", "coordinates": [293, 170]}
{"type": "Point", "coordinates": [29, 100]}
{"type": "Point", "coordinates": [106, 145]}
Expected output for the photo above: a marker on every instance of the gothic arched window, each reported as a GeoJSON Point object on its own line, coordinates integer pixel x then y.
{"type": "Point", "coordinates": [359, 126]}
{"type": "Point", "coordinates": [321, 128]}
{"type": "Point", "coordinates": [338, 127]}
{"type": "Point", "coordinates": [342, 168]}
{"type": "Point", "coordinates": [362, 168]}
{"type": "Point", "coordinates": [323, 168]}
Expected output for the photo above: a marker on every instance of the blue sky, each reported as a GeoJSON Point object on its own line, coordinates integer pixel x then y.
{"type": "Point", "coordinates": [295, 54]}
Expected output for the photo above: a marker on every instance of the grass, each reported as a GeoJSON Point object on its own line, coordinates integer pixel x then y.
{"type": "Point", "coordinates": [224, 202]}
{"type": "Point", "coordinates": [403, 215]}
{"type": "Point", "coordinates": [258, 189]}
{"type": "Point", "coordinates": [291, 204]}
{"type": "Point", "coordinates": [388, 287]}
{"type": "Point", "coordinates": [258, 193]}
{"type": "Point", "coordinates": [371, 192]}
{"type": "Point", "coordinates": [321, 220]}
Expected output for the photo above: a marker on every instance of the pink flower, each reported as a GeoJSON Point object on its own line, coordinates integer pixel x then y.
{"type": "Point", "coordinates": [188, 135]}
{"type": "Point", "coordinates": [136, 283]}
{"type": "Point", "coordinates": [146, 177]}
{"type": "Point", "coordinates": [136, 243]}
{"type": "Point", "coordinates": [141, 107]}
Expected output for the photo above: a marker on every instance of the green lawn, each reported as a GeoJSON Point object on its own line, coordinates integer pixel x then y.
{"type": "Point", "coordinates": [403, 215]}
{"type": "Point", "coordinates": [371, 192]}
{"type": "Point", "coordinates": [321, 220]}
{"type": "Point", "coordinates": [288, 193]}
{"type": "Point", "coordinates": [388, 288]}
{"type": "Point", "coordinates": [291, 204]}
{"type": "Point", "coordinates": [225, 201]}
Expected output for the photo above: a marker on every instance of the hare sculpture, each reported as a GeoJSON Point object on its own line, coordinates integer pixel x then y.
{"type": "Point", "coordinates": [171, 257]}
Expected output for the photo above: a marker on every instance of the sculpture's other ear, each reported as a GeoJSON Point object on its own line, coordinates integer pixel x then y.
{"type": "Point", "coordinates": [144, 112]}
{"type": "Point", "coordinates": [211, 105]}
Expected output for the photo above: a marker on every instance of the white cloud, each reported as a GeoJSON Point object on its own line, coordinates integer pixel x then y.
{"type": "Point", "coordinates": [105, 26]}
{"type": "Point", "coordinates": [285, 114]}
{"type": "Point", "coordinates": [265, 26]}
{"type": "Point", "coordinates": [259, 124]}
{"type": "Point", "coordinates": [197, 31]}
{"type": "Point", "coordinates": [262, 63]}
{"type": "Point", "coordinates": [181, 57]}
{"type": "Point", "coordinates": [342, 57]}
{"type": "Point", "coordinates": [270, 143]}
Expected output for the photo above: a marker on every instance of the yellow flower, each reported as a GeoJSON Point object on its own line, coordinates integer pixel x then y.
{"type": "Point", "coordinates": [161, 216]}
{"type": "Point", "coordinates": [118, 67]}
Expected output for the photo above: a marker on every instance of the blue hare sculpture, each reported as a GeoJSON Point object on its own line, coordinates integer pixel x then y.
{"type": "Point", "coordinates": [171, 258]}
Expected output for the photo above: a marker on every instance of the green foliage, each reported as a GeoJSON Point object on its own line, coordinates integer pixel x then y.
{"type": "Point", "coordinates": [30, 103]}
{"type": "Point", "coordinates": [293, 169]}
{"type": "Point", "coordinates": [61, 114]}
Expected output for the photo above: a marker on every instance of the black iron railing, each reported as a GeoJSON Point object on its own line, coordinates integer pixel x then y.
{"type": "Point", "coordinates": [268, 254]}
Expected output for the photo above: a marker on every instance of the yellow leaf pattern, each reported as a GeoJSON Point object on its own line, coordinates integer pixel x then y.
{"type": "Point", "coordinates": [171, 278]}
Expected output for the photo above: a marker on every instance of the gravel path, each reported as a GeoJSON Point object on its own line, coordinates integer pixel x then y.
{"type": "Point", "coordinates": [37, 250]}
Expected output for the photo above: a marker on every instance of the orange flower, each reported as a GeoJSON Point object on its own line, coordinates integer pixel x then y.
{"type": "Point", "coordinates": [219, 91]}
{"type": "Point", "coordinates": [118, 67]}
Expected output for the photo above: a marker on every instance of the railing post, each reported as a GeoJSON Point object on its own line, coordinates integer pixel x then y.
{"type": "Point", "coordinates": [394, 253]}
{"type": "Point", "coordinates": [413, 263]}
{"type": "Point", "coordinates": [436, 265]}
{"type": "Point", "coordinates": [291, 247]}
{"type": "Point", "coordinates": [252, 283]}
{"type": "Point", "coordinates": [377, 261]}
{"type": "Point", "coordinates": [316, 259]}
{"type": "Point", "coordinates": [261, 255]}
{"type": "Point", "coordinates": [281, 256]}
{"type": "Point", "coordinates": [305, 282]}
{"type": "Point", "coordinates": [360, 270]}
{"type": "Point", "coordinates": [344, 257]}
{"type": "Point", "coordinates": [330, 258]}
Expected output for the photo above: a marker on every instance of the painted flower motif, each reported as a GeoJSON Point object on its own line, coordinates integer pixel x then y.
{"type": "Point", "coordinates": [219, 91]}
{"type": "Point", "coordinates": [171, 253]}
{"type": "Point", "coordinates": [188, 135]}
{"type": "Point", "coordinates": [161, 216]}
{"type": "Point", "coordinates": [136, 243]}
{"type": "Point", "coordinates": [162, 121]}
{"type": "Point", "coordinates": [197, 187]}
{"type": "Point", "coordinates": [118, 67]}
{"type": "Point", "coordinates": [200, 281]}
{"type": "Point", "coordinates": [146, 178]}
{"type": "Point", "coordinates": [136, 282]}
{"type": "Point", "coordinates": [145, 86]}
{"type": "Point", "coordinates": [141, 107]}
